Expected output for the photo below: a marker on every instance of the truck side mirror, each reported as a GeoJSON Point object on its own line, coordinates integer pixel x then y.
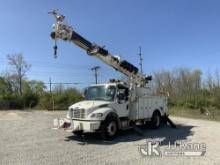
{"type": "Point", "coordinates": [85, 92]}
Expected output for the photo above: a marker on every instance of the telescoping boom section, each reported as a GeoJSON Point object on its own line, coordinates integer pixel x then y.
{"type": "Point", "coordinates": [65, 32]}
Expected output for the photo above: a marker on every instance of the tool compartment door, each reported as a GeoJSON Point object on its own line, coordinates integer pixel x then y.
{"type": "Point", "coordinates": [144, 106]}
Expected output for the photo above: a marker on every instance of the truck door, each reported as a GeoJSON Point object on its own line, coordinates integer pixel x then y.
{"type": "Point", "coordinates": [122, 101]}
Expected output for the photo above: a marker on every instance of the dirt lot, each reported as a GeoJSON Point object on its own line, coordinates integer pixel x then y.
{"type": "Point", "coordinates": [27, 138]}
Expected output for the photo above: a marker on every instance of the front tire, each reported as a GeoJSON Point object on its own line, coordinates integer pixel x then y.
{"type": "Point", "coordinates": [109, 128]}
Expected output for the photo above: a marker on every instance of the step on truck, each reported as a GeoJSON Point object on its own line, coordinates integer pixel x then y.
{"type": "Point", "coordinates": [115, 105]}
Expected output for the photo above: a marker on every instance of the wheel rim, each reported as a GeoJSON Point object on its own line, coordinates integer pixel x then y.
{"type": "Point", "coordinates": [112, 128]}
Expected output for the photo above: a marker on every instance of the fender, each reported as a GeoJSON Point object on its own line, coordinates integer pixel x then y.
{"type": "Point", "coordinates": [105, 111]}
{"type": "Point", "coordinates": [112, 113]}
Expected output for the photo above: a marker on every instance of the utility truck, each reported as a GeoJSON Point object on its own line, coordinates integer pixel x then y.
{"type": "Point", "coordinates": [115, 105]}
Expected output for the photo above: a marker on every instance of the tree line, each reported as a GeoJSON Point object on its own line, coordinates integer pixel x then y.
{"type": "Point", "coordinates": [17, 92]}
{"type": "Point", "coordinates": [188, 88]}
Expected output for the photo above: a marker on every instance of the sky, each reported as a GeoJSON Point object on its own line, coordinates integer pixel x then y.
{"type": "Point", "coordinates": [172, 34]}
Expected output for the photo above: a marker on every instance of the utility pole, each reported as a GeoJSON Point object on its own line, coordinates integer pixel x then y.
{"type": "Point", "coordinates": [50, 84]}
{"type": "Point", "coordinates": [95, 69]}
{"type": "Point", "coordinates": [141, 59]}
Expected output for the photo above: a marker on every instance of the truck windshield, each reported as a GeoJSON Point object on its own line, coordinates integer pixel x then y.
{"type": "Point", "coordinates": [106, 93]}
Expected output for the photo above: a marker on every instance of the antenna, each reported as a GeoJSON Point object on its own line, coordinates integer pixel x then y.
{"type": "Point", "coordinates": [141, 59]}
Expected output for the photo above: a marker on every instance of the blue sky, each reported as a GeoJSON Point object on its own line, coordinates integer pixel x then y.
{"type": "Point", "coordinates": [172, 33]}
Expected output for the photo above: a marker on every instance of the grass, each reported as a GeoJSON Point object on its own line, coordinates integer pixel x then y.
{"type": "Point", "coordinates": [214, 114]}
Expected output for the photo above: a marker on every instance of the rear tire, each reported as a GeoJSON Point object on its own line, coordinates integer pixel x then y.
{"type": "Point", "coordinates": [109, 128]}
{"type": "Point", "coordinates": [155, 120]}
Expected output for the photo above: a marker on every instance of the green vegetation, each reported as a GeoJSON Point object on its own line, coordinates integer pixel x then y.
{"type": "Point", "coordinates": [16, 92]}
{"type": "Point", "coordinates": [60, 100]}
{"type": "Point", "coordinates": [35, 96]}
{"type": "Point", "coordinates": [189, 94]}
{"type": "Point", "coordinates": [186, 88]}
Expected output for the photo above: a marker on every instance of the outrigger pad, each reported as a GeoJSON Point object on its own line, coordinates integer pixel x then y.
{"type": "Point", "coordinates": [168, 120]}
{"type": "Point", "coordinates": [58, 123]}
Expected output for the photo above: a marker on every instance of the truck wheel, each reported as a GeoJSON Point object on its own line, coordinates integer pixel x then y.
{"type": "Point", "coordinates": [155, 120]}
{"type": "Point", "coordinates": [109, 128]}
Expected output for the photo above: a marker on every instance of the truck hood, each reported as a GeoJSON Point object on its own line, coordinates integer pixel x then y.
{"type": "Point", "coordinates": [87, 104]}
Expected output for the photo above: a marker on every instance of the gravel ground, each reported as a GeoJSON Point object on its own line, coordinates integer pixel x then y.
{"type": "Point", "coordinates": [27, 138]}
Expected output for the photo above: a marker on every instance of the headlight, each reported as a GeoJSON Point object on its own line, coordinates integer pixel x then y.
{"type": "Point", "coordinates": [96, 115]}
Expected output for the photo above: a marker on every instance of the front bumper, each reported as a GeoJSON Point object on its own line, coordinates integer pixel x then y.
{"type": "Point", "coordinates": [76, 125]}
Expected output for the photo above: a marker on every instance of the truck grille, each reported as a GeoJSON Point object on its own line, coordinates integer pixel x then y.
{"type": "Point", "coordinates": [78, 113]}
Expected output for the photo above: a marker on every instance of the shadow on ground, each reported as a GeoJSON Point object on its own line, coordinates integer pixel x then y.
{"type": "Point", "coordinates": [165, 134]}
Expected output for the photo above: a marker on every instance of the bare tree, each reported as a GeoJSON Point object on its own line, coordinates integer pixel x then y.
{"type": "Point", "coordinates": [20, 67]}
{"type": "Point", "coordinates": [163, 82]}
{"type": "Point", "coordinates": [209, 81]}
{"type": "Point", "coordinates": [179, 83]}
{"type": "Point", "coordinates": [196, 81]}
{"type": "Point", "coordinates": [217, 75]}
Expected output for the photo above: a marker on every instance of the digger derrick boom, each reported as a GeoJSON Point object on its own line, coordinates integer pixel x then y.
{"type": "Point", "coordinates": [65, 32]}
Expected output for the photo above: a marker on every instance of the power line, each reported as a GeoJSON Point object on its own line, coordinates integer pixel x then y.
{"type": "Point", "coordinates": [66, 83]}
